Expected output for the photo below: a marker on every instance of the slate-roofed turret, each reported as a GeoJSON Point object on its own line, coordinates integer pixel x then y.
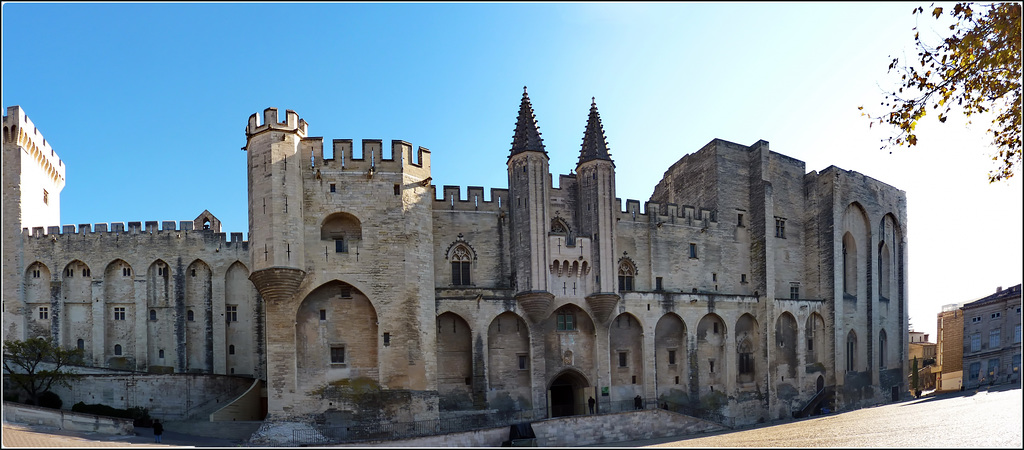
{"type": "Point", "coordinates": [595, 146]}
{"type": "Point", "coordinates": [527, 137]}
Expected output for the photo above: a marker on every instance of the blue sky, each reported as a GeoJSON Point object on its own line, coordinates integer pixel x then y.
{"type": "Point", "coordinates": [146, 104]}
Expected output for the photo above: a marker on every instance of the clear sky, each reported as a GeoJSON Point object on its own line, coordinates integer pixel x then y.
{"type": "Point", "coordinates": [146, 104]}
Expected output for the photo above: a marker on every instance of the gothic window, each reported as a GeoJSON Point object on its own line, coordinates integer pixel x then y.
{"type": "Point", "coordinates": [565, 320]}
{"type": "Point", "coordinates": [462, 260]}
{"type": "Point", "coordinates": [849, 265]}
{"type": "Point", "coordinates": [626, 273]}
{"type": "Point", "coordinates": [746, 357]}
{"type": "Point", "coordinates": [559, 226]}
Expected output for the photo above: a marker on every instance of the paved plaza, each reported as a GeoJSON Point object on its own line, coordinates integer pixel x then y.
{"type": "Point", "coordinates": [987, 418]}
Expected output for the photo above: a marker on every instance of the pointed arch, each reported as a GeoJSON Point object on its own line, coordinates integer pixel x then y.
{"type": "Point", "coordinates": [242, 332]}
{"type": "Point", "coordinates": [199, 332]}
{"type": "Point", "coordinates": [454, 362]}
{"type": "Point", "coordinates": [786, 340]}
{"type": "Point", "coordinates": [852, 357]}
{"type": "Point", "coordinates": [671, 357]}
{"type": "Point", "coordinates": [461, 255]}
{"type": "Point", "coordinates": [816, 336]}
{"type": "Point", "coordinates": [748, 344]}
{"type": "Point", "coordinates": [509, 361]}
{"type": "Point", "coordinates": [336, 336]}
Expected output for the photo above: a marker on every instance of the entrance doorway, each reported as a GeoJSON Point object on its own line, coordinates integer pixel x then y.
{"type": "Point", "coordinates": [567, 394]}
{"type": "Point", "coordinates": [820, 384]}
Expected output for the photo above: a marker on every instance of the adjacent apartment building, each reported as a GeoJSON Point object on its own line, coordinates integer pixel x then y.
{"type": "Point", "coordinates": [991, 337]}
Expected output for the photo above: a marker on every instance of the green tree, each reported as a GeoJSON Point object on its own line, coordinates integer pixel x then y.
{"type": "Point", "coordinates": [37, 364]}
{"type": "Point", "coordinates": [977, 69]}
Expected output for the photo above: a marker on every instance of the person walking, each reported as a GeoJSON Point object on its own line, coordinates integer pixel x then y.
{"type": "Point", "coordinates": [158, 429]}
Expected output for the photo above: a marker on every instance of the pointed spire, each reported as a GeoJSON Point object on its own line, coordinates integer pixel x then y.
{"type": "Point", "coordinates": [526, 137]}
{"type": "Point", "coordinates": [594, 144]}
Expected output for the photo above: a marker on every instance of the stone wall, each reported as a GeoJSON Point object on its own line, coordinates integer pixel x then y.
{"type": "Point", "coordinates": [66, 420]}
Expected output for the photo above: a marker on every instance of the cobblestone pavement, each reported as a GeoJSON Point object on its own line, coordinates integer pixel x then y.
{"type": "Point", "coordinates": [987, 418]}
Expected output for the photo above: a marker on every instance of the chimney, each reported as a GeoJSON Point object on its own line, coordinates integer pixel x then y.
{"type": "Point", "coordinates": [999, 289]}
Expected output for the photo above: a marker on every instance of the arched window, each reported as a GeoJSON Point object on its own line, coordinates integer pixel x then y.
{"type": "Point", "coordinates": [81, 344]}
{"type": "Point", "coordinates": [152, 314]}
{"type": "Point", "coordinates": [191, 316]}
{"type": "Point", "coordinates": [626, 273]}
{"type": "Point", "coordinates": [117, 350]}
{"type": "Point", "coordinates": [881, 349]}
{"type": "Point", "coordinates": [342, 228]}
{"type": "Point", "coordinates": [565, 320]}
{"type": "Point", "coordinates": [231, 349]}
{"type": "Point", "coordinates": [851, 351]}
{"type": "Point", "coordinates": [161, 353]}
{"type": "Point", "coordinates": [462, 261]}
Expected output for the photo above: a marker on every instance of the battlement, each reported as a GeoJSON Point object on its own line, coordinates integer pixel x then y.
{"type": "Point", "coordinates": [20, 130]}
{"type": "Point", "coordinates": [451, 199]}
{"type": "Point", "coordinates": [133, 228]}
{"type": "Point", "coordinates": [402, 157]}
{"type": "Point", "coordinates": [668, 212]}
{"type": "Point", "coordinates": [292, 123]}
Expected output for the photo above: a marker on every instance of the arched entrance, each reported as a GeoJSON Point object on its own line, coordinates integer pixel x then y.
{"type": "Point", "coordinates": [567, 394]}
{"type": "Point", "coordinates": [820, 384]}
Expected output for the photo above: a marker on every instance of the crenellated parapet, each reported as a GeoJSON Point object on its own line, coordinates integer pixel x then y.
{"type": "Point", "coordinates": [115, 229]}
{"type": "Point", "coordinates": [19, 130]}
{"type": "Point", "coordinates": [402, 157]}
{"type": "Point", "coordinates": [291, 123]}
{"type": "Point", "coordinates": [451, 199]}
{"type": "Point", "coordinates": [667, 213]}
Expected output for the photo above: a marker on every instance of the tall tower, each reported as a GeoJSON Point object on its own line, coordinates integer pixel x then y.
{"type": "Point", "coordinates": [275, 203]}
{"type": "Point", "coordinates": [528, 178]}
{"type": "Point", "coordinates": [33, 176]}
{"type": "Point", "coordinates": [595, 175]}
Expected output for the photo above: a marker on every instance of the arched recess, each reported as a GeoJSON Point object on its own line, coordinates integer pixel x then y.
{"type": "Point", "coordinates": [710, 355]}
{"type": "Point", "coordinates": [626, 348]}
{"type": "Point", "coordinates": [242, 325]}
{"type": "Point", "coordinates": [816, 337]}
{"type": "Point", "coordinates": [888, 258]}
{"type": "Point", "coordinates": [76, 295]}
{"type": "Point", "coordinates": [344, 229]}
{"type": "Point", "coordinates": [568, 393]}
{"type": "Point", "coordinates": [160, 323]}
{"type": "Point", "coordinates": [454, 363]}
{"type": "Point", "coordinates": [748, 347]}
{"type": "Point", "coordinates": [336, 338]}
{"type": "Point", "coordinates": [568, 340]}
{"type": "Point", "coordinates": [199, 331]}
{"type": "Point", "coordinates": [119, 308]}
{"type": "Point", "coordinates": [508, 363]}
{"type": "Point", "coordinates": [41, 314]}
{"type": "Point", "coordinates": [671, 363]}
{"type": "Point", "coordinates": [855, 251]}
{"type": "Point", "coordinates": [786, 340]}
